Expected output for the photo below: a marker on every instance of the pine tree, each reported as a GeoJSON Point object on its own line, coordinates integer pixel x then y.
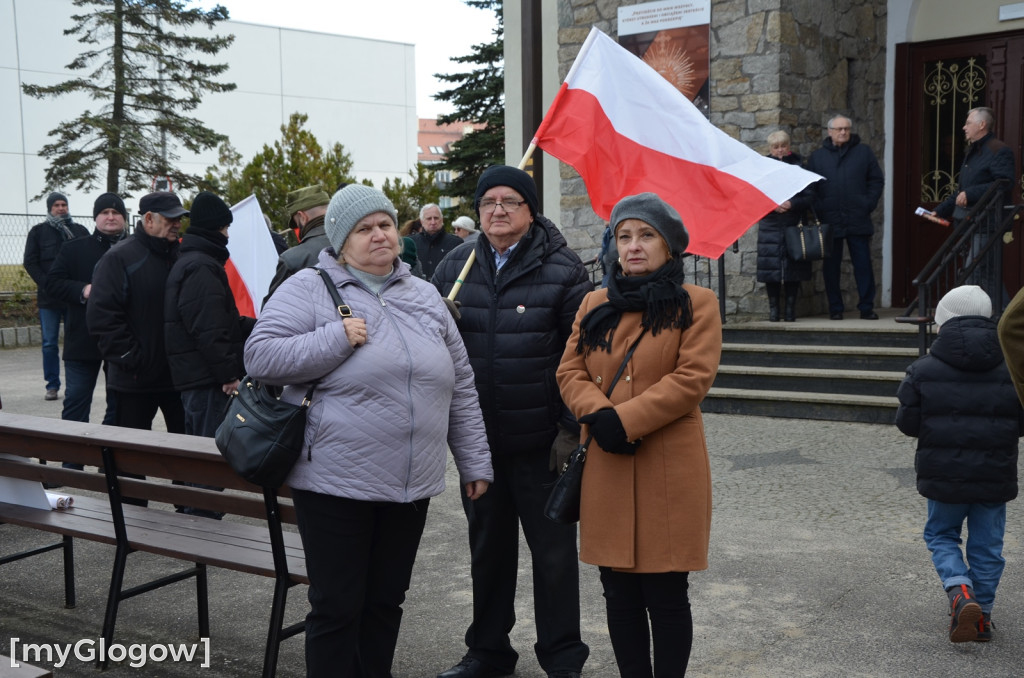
{"type": "Point", "coordinates": [146, 76]}
{"type": "Point", "coordinates": [296, 160]}
{"type": "Point", "coordinates": [479, 97]}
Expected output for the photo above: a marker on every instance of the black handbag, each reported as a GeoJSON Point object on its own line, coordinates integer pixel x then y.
{"type": "Point", "coordinates": [809, 242]}
{"type": "Point", "coordinates": [563, 505]}
{"type": "Point", "coordinates": [261, 435]}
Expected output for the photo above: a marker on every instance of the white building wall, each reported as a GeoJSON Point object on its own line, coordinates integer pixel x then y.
{"type": "Point", "coordinates": [356, 91]}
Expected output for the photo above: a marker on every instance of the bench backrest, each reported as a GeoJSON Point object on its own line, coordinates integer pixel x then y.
{"type": "Point", "coordinates": [161, 457]}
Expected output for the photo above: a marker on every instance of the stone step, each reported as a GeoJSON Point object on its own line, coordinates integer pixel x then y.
{"type": "Point", "coordinates": [872, 358]}
{"type": "Point", "coordinates": [834, 381]}
{"type": "Point", "coordinates": [801, 405]}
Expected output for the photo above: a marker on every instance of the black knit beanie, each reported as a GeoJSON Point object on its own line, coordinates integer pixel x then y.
{"type": "Point", "coordinates": [52, 198]}
{"type": "Point", "coordinates": [108, 201]}
{"type": "Point", "coordinates": [514, 178]}
{"type": "Point", "coordinates": [208, 213]}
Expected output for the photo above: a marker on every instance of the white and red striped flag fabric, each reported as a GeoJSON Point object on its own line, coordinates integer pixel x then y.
{"type": "Point", "coordinates": [627, 130]}
{"type": "Point", "coordinates": [253, 257]}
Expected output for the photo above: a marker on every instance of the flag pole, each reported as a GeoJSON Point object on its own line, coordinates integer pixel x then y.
{"type": "Point", "coordinates": [472, 255]}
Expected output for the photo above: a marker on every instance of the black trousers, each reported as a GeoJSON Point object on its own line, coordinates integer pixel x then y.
{"type": "Point", "coordinates": [630, 599]}
{"type": "Point", "coordinates": [521, 486]}
{"type": "Point", "coordinates": [359, 557]}
{"type": "Point", "coordinates": [136, 410]}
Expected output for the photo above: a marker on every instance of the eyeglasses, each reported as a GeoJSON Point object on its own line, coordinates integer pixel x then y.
{"type": "Point", "coordinates": [840, 129]}
{"type": "Point", "coordinates": [488, 205]}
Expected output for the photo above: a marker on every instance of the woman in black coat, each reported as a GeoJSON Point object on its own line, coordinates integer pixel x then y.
{"type": "Point", "coordinates": [774, 267]}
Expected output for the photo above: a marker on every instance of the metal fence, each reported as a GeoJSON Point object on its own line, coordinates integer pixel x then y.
{"type": "Point", "coordinates": [14, 230]}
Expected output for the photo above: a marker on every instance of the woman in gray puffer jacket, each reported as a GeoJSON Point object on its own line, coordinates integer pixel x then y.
{"type": "Point", "coordinates": [394, 390]}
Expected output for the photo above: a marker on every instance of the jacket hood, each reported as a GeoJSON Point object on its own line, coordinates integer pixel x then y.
{"type": "Point", "coordinates": [968, 342]}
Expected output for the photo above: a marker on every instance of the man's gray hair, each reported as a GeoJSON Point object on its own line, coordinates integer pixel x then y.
{"type": "Point", "coordinates": [986, 114]}
{"type": "Point", "coordinates": [423, 210]}
{"type": "Point", "coordinates": [837, 116]}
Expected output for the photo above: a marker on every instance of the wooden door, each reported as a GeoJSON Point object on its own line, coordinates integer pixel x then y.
{"type": "Point", "coordinates": [938, 82]}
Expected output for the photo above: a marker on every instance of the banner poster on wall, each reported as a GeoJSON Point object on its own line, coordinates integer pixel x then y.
{"type": "Point", "coordinates": [672, 37]}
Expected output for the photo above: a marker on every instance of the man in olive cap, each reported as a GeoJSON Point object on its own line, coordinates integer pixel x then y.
{"type": "Point", "coordinates": [306, 208]}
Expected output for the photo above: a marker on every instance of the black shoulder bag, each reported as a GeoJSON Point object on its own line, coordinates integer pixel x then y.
{"type": "Point", "coordinates": [808, 241]}
{"type": "Point", "coordinates": [563, 505]}
{"type": "Point", "coordinates": [261, 436]}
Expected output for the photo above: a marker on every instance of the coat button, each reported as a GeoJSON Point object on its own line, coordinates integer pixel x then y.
{"type": "Point", "coordinates": [598, 379]}
{"type": "Point", "coordinates": [520, 309]}
{"type": "Point", "coordinates": [628, 378]}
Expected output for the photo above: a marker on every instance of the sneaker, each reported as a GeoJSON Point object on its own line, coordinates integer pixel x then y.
{"type": "Point", "coordinates": [51, 394]}
{"type": "Point", "coordinates": [985, 627]}
{"type": "Point", "coordinates": [965, 614]}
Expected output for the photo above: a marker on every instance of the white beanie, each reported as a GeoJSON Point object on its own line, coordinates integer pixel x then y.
{"type": "Point", "coordinates": [963, 300]}
{"type": "Point", "coordinates": [348, 206]}
{"type": "Point", "coordinates": [465, 223]}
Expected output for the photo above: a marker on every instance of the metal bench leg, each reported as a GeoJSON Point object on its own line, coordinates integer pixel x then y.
{"type": "Point", "coordinates": [113, 600]}
{"type": "Point", "coordinates": [202, 601]}
{"type": "Point", "coordinates": [69, 572]}
{"type": "Point", "coordinates": [274, 638]}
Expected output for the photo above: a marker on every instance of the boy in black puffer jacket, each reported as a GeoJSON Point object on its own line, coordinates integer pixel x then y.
{"type": "Point", "coordinates": [960, 403]}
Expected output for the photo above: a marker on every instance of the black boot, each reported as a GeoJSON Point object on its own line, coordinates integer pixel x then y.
{"type": "Point", "coordinates": [773, 309]}
{"type": "Point", "coordinates": [790, 308]}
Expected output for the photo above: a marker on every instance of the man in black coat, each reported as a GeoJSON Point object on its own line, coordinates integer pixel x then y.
{"type": "Point", "coordinates": [433, 242]}
{"type": "Point", "coordinates": [125, 315]}
{"type": "Point", "coordinates": [70, 282]}
{"type": "Point", "coordinates": [853, 186]}
{"type": "Point", "coordinates": [518, 303]}
{"type": "Point", "coordinates": [41, 247]}
{"type": "Point", "coordinates": [987, 160]}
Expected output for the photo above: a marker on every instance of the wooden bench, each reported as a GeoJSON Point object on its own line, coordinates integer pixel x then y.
{"type": "Point", "coordinates": [265, 550]}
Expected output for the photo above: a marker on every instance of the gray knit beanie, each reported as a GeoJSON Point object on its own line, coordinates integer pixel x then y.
{"type": "Point", "coordinates": [52, 198]}
{"type": "Point", "coordinates": [650, 209]}
{"type": "Point", "coordinates": [963, 300]}
{"type": "Point", "coordinates": [348, 206]}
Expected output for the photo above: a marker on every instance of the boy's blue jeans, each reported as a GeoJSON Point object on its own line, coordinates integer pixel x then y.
{"type": "Point", "coordinates": [986, 524]}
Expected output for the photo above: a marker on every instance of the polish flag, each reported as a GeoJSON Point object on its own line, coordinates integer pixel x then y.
{"type": "Point", "coordinates": [627, 130]}
{"type": "Point", "coordinates": [253, 257]}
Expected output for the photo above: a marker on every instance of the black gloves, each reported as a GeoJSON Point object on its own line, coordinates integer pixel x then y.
{"type": "Point", "coordinates": [606, 427]}
{"type": "Point", "coordinates": [453, 308]}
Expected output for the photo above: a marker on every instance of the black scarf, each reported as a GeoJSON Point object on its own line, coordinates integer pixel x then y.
{"type": "Point", "coordinates": [660, 295]}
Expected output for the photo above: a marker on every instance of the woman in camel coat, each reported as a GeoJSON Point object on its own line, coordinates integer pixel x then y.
{"type": "Point", "coordinates": [645, 515]}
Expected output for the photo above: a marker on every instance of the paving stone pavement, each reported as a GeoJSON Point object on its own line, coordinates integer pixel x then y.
{"type": "Point", "coordinates": [817, 569]}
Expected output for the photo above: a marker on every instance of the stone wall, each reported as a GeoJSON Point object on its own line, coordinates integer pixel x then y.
{"type": "Point", "coordinates": [775, 64]}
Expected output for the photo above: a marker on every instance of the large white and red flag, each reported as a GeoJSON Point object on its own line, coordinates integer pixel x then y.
{"type": "Point", "coordinates": [627, 130]}
{"type": "Point", "coordinates": [253, 257]}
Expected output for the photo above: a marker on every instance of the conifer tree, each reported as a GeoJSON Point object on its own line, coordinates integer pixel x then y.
{"type": "Point", "coordinates": [145, 73]}
{"type": "Point", "coordinates": [478, 97]}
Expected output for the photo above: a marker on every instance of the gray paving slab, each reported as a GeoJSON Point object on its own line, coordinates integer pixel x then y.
{"type": "Point", "coordinates": [817, 569]}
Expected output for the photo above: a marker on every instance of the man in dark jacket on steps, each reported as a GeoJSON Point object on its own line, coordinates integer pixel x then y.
{"type": "Point", "coordinates": [854, 183]}
{"type": "Point", "coordinates": [518, 303]}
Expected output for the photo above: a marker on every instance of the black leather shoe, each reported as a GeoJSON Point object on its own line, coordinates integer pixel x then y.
{"type": "Point", "coordinates": [868, 315]}
{"type": "Point", "coordinates": [836, 316]}
{"type": "Point", "coordinates": [471, 668]}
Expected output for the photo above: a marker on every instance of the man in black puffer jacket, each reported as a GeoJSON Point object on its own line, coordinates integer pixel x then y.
{"type": "Point", "coordinates": [960, 403]}
{"type": "Point", "coordinates": [518, 303]}
{"type": "Point", "coordinates": [125, 315]}
{"type": "Point", "coordinates": [203, 331]}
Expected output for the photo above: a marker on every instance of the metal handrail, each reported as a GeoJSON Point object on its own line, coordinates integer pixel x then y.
{"type": "Point", "coordinates": [953, 263]}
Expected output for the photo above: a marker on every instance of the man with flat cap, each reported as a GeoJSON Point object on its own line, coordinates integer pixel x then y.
{"type": "Point", "coordinates": [41, 247]}
{"type": "Point", "coordinates": [518, 303]}
{"type": "Point", "coordinates": [125, 315]}
{"type": "Point", "coordinates": [70, 281]}
{"type": "Point", "coordinates": [306, 208]}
